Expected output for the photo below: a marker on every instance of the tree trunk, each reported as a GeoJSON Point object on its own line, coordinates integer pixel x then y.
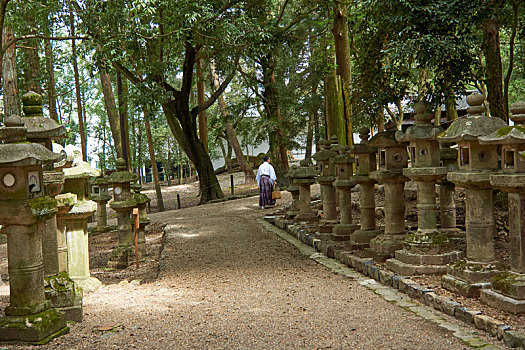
{"type": "Point", "coordinates": [139, 152]}
{"type": "Point", "coordinates": [181, 121]}
{"type": "Point", "coordinates": [111, 110]}
{"type": "Point", "coordinates": [181, 167]}
{"type": "Point", "coordinates": [380, 118]}
{"type": "Point", "coordinates": [273, 114]}
{"type": "Point", "coordinates": [334, 109]}
{"type": "Point", "coordinates": [494, 72]}
{"type": "Point", "coordinates": [506, 82]}
{"type": "Point", "coordinates": [133, 145]}
{"type": "Point", "coordinates": [229, 157]}
{"type": "Point", "coordinates": [167, 167]}
{"type": "Point", "coordinates": [50, 70]}
{"type": "Point", "coordinates": [10, 88]}
{"type": "Point", "coordinates": [83, 141]}
{"type": "Point", "coordinates": [203, 120]}
{"type": "Point", "coordinates": [154, 170]}
{"type": "Point", "coordinates": [225, 155]}
{"type": "Point", "coordinates": [32, 72]}
{"type": "Point", "coordinates": [122, 96]}
{"type": "Point", "coordinates": [230, 131]}
{"type": "Point", "coordinates": [311, 126]}
{"type": "Point", "coordinates": [343, 60]}
{"type": "Point", "coordinates": [450, 106]}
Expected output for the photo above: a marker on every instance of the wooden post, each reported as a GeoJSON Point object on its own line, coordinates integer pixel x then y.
{"type": "Point", "coordinates": [178, 200]}
{"type": "Point", "coordinates": [136, 224]}
{"type": "Point", "coordinates": [232, 185]}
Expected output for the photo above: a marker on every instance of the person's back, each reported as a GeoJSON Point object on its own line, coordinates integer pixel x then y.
{"type": "Point", "coordinates": [266, 181]}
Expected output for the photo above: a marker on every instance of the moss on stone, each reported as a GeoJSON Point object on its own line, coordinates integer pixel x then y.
{"type": "Point", "coordinates": [43, 206]}
{"type": "Point", "coordinates": [508, 129]}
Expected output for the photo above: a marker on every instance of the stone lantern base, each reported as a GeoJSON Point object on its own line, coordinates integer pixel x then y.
{"type": "Point", "coordinates": [306, 218]}
{"type": "Point", "coordinates": [97, 230]}
{"type": "Point", "coordinates": [343, 232]}
{"type": "Point", "coordinates": [384, 246]}
{"type": "Point", "coordinates": [64, 295]}
{"type": "Point", "coordinates": [121, 257]}
{"type": "Point", "coordinates": [468, 278]}
{"type": "Point", "coordinates": [39, 328]}
{"type": "Point", "coordinates": [325, 228]}
{"type": "Point", "coordinates": [427, 253]}
{"type": "Point", "coordinates": [507, 292]}
{"type": "Point", "coordinates": [360, 239]}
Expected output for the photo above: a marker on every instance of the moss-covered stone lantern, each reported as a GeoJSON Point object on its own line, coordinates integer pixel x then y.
{"type": "Point", "coordinates": [142, 201]}
{"type": "Point", "coordinates": [304, 177]}
{"type": "Point", "coordinates": [100, 194]}
{"type": "Point", "coordinates": [365, 162]}
{"type": "Point", "coordinates": [75, 220]}
{"type": "Point", "coordinates": [325, 158]}
{"type": "Point", "coordinates": [428, 250]}
{"type": "Point", "coordinates": [476, 162]}
{"type": "Point", "coordinates": [392, 158]}
{"type": "Point", "coordinates": [507, 290]}
{"type": "Point", "coordinates": [59, 288]}
{"type": "Point", "coordinates": [344, 184]}
{"type": "Point", "coordinates": [28, 318]}
{"type": "Point", "coordinates": [123, 203]}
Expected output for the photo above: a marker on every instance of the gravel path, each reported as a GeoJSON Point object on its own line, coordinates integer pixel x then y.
{"type": "Point", "coordinates": [225, 283]}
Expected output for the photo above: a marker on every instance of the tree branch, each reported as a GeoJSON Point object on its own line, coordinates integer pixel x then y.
{"type": "Point", "coordinates": [40, 36]}
{"type": "Point", "coordinates": [245, 77]}
{"type": "Point", "coordinates": [282, 13]}
{"type": "Point", "coordinates": [127, 73]}
{"type": "Point", "coordinates": [202, 107]}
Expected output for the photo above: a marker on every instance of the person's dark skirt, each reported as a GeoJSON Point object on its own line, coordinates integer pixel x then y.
{"type": "Point", "coordinates": [265, 192]}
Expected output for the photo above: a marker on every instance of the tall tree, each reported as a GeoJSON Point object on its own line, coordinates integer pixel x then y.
{"type": "Point", "coordinates": [150, 69]}
{"type": "Point", "coordinates": [230, 130]}
{"type": "Point", "coordinates": [154, 169]}
{"type": "Point", "coordinates": [122, 95]}
{"type": "Point", "coordinates": [31, 74]}
{"type": "Point", "coordinates": [494, 71]}
{"type": "Point", "coordinates": [344, 64]}
{"type": "Point", "coordinates": [74, 62]}
{"type": "Point", "coordinates": [201, 98]}
{"type": "Point", "coordinates": [10, 88]}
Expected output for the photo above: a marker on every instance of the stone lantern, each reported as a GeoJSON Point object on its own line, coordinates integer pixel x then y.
{"type": "Point", "coordinates": [123, 203]}
{"type": "Point", "coordinates": [392, 158]}
{"type": "Point", "coordinates": [100, 194]}
{"type": "Point", "coordinates": [365, 162]}
{"type": "Point", "coordinates": [428, 250]}
{"type": "Point", "coordinates": [507, 290]}
{"type": "Point", "coordinates": [293, 210]}
{"type": "Point", "coordinates": [304, 177]}
{"type": "Point", "coordinates": [447, 195]}
{"type": "Point", "coordinates": [28, 318]}
{"type": "Point", "coordinates": [75, 223]}
{"type": "Point", "coordinates": [476, 163]}
{"type": "Point", "coordinates": [344, 184]}
{"type": "Point", "coordinates": [325, 160]}
{"type": "Point", "coordinates": [142, 200]}
{"type": "Point", "coordinates": [59, 288]}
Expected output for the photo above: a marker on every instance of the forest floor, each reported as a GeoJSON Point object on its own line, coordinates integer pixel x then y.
{"type": "Point", "coordinates": [213, 278]}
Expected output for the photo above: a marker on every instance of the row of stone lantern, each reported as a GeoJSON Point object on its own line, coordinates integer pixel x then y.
{"type": "Point", "coordinates": [46, 204]}
{"type": "Point", "coordinates": [430, 249]}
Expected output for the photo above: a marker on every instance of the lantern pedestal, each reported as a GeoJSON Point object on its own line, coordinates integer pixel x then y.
{"type": "Point", "coordinates": [384, 246]}
{"type": "Point", "coordinates": [360, 239]}
{"type": "Point", "coordinates": [428, 250]}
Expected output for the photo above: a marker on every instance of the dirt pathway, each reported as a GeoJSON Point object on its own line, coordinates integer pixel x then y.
{"type": "Point", "coordinates": [225, 283]}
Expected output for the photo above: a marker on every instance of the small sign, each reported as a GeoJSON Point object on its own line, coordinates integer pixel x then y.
{"type": "Point", "coordinates": [33, 178]}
